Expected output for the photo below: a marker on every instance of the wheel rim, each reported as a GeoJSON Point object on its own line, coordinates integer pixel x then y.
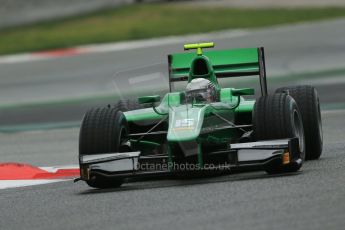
{"type": "Point", "coordinates": [123, 138]}
{"type": "Point", "coordinates": [299, 132]}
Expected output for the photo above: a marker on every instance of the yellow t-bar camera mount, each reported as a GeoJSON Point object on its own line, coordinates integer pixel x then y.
{"type": "Point", "coordinates": [199, 47]}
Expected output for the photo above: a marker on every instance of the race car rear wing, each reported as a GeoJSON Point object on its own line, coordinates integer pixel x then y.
{"type": "Point", "coordinates": [226, 63]}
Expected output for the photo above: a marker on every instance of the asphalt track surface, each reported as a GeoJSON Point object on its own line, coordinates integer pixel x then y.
{"type": "Point", "coordinates": [310, 199]}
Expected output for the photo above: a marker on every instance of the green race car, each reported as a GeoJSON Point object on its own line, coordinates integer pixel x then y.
{"type": "Point", "coordinates": [204, 128]}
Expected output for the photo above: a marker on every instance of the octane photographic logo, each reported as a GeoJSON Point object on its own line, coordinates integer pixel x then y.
{"type": "Point", "coordinates": [183, 167]}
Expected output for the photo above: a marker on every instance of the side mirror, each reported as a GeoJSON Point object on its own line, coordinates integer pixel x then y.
{"type": "Point", "coordinates": [242, 92]}
{"type": "Point", "coordinates": [149, 99]}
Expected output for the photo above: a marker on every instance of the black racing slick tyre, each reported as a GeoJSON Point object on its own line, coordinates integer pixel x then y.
{"type": "Point", "coordinates": [128, 105]}
{"type": "Point", "coordinates": [277, 117]}
{"type": "Point", "coordinates": [103, 130]}
{"type": "Point", "coordinates": [307, 100]}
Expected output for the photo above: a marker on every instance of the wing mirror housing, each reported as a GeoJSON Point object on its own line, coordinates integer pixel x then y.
{"type": "Point", "coordinates": [242, 91]}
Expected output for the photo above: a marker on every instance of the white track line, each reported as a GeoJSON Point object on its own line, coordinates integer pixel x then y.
{"type": "Point", "coordinates": [17, 58]}
{"type": "Point", "coordinates": [119, 46]}
{"type": "Point", "coordinates": [54, 169]}
{"type": "Point", "coordinates": [110, 47]}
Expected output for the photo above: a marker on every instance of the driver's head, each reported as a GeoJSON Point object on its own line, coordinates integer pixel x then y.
{"type": "Point", "coordinates": [201, 90]}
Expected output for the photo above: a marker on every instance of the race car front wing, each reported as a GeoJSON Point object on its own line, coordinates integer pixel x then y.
{"type": "Point", "coordinates": [259, 154]}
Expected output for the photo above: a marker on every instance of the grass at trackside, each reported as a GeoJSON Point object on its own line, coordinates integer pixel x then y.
{"type": "Point", "coordinates": [146, 21]}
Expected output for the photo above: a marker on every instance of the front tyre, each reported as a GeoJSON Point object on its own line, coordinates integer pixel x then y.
{"type": "Point", "coordinates": [103, 130]}
{"type": "Point", "coordinates": [277, 117]}
{"type": "Point", "coordinates": [129, 105]}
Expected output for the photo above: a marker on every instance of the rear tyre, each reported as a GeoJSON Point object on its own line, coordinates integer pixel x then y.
{"type": "Point", "coordinates": [103, 130]}
{"type": "Point", "coordinates": [307, 100]}
{"type": "Point", "coordinates": [277, 117]}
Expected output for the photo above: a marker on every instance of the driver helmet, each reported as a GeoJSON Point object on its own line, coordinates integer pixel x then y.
{"type": "Point", "coordinates": [201, 90]}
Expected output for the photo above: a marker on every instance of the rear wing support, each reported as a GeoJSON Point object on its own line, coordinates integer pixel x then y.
{"type": "Point", "coordinates": [262, 71]}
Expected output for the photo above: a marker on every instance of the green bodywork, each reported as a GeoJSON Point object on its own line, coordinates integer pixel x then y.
{"type": "Point", "coordinates": [186, 120]}
{"type": "Point", "coordinates": [202, 123]}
